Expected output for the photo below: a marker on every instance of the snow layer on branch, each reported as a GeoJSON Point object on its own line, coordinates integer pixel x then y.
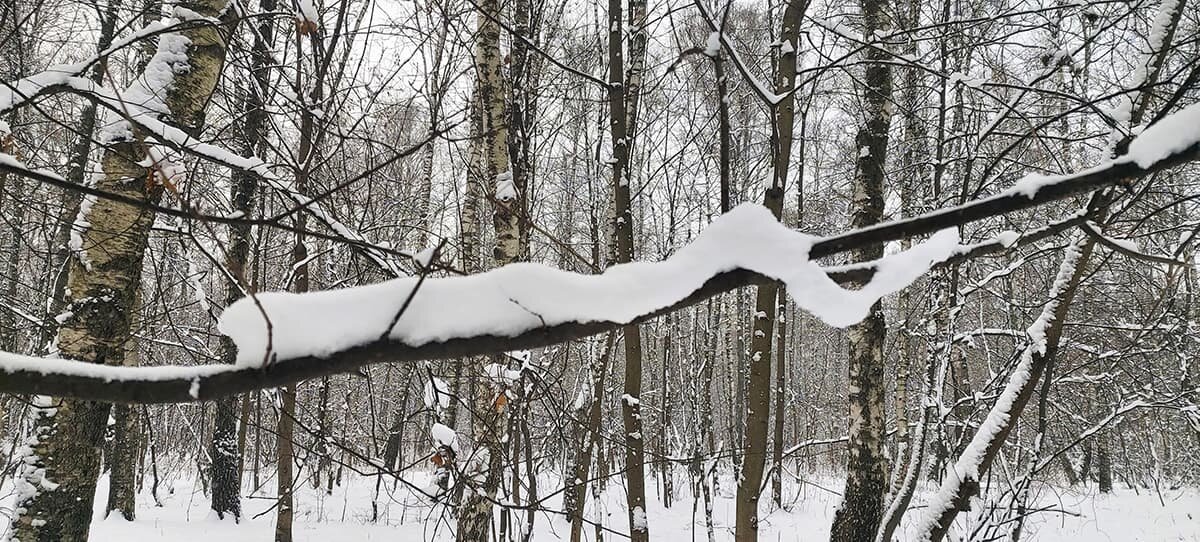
{"type": "Point", "coordinates": [14, 94]}
{"type": "Point", "coordinates": [444, 436]}
{"type": "Point", "coordinates": [110, 373]}
{"type": "Point", "coordinates": [1122, 113]}
{"type": "Point", "coordinates": [1171, 135]}
{"type": "Point", "coordinates": [437, 392]}
{"type": "Point", "coordinates": [156, 128]}
{"type": "Point", "coordinates": [968, 465]}
{"type": "Point", "coordinates": [80, 226]}
{"type": "Point", "coordinates": [519, 297]}
{"type": "Point", "coordinates": [307, 12]}
{"type": "Point", "coordinates": [712, 45]}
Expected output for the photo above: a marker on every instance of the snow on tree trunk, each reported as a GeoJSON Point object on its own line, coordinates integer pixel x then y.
{"type": "Point", "coordinates": [76, 171]}
{"type": "Point", "coordinates": [961, 482]}
{"type": "Point", "coordinates": [61, 461]}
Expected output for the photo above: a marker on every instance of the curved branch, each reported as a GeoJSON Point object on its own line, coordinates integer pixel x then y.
{"type": "Point", "coordinates": [183, 384]}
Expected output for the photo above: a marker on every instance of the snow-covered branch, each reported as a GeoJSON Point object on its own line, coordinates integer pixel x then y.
{"type": "Point", "coordinates": [518, 306]}
{"type": "Point", "coordinates": [528, 305]}
{"type": "Point", "coordinates": [15, 94]}
{"type": "Point", "coordinates": [961, 481]}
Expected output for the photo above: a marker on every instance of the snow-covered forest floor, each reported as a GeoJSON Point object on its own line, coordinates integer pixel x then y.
{"type": "Point", "coordinates": [1077, 515]}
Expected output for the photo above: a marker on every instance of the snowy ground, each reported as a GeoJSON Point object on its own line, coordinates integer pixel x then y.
{"type": "Point", "coordinates": [346, 516]}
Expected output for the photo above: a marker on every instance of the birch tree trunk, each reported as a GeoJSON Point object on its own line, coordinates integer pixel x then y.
{"type": "Point", "coordinates": [58, 475]}
{"type": "Point", "coordinates": [489, 168]}
{"type": "Point", "coordinates": [866, 480]}
{"type": "Point", "coordinates": [76, 170]}
{"type": "Point", "coordinates": [913, 177]}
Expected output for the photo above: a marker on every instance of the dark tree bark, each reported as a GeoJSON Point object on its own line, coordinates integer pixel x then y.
{"type": "Point", "coordinates": [125, 447]}
{"type": "Point", "coordinates": [623, 90]}
{"type": "Point", "coordinates": [226, 450]}
{"type": "Point", "coordinates": [758, 386]}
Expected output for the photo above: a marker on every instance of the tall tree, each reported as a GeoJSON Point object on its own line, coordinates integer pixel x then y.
{"type": "Point", "coordinates": [123, 452]}
{"type": "Point", "coordinates": [77, 168]}
{"type": "Point", "coordinates": [758, 405]}
{"type": "Point", "coordinates": [226, 452]}
{"type": "Point", "coordinates": [866, 479]}
{"type": "Point", "coordinates": [624, 86]}
{"type": "Point", "coordinates": [491, 174]}
{"type": "Point", "coordinates": [59, 473]}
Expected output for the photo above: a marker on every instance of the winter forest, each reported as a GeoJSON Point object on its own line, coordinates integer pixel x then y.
{"type": "Point", "coordinates": [585, 270]}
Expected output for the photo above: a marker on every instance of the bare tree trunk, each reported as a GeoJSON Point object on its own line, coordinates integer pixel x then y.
{"type": "Point", "coordinates": [758, 386]}
{"type": "Point", "coordinates": [122, 487]}
{"type": "Point", "coordinates": [1103, 464]}
{"type": "Point", "coordinates": [434, 94]}
{"type": "Point", "coordinates": [906, 486]}
{"type": "Point", "coordinates": [723, 118]}
{"type": "Point", "coordinates": [866, 479]}
{"type": "Point", "coordinates": [321, 438]}
{"type": "Point", "coordinates": [286, 423]}
{"type": "Point", "coordinates": [912, 179]}
{"type": "Point", "coordinates": [588, 438]}
{"type": "Point", "coordinates": [305, 164]}
{"type": "Point", "coordinates": [664, 432]}
{"type": "Point", "coordinates": [623, 89]}
{"type": "Point", "coordinates": [122, 462]}
{"type": "Point", "coordinates": [392, 452]}
{"type": "Point", "coordinates": [226, 448]}
{"type": "Point", "coordinates": [285, 458]}
{"type": "Point", "coordinates": [780, 405]}
{"type": "Point", "coordinates": [60, 474]}
{"type": "Point", "coordinates": [15, 217]}
{"type": "Point", "coordinates": [13, 49]}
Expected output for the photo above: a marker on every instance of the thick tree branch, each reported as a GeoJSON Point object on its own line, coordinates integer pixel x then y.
{"type": "Point", "coordinates": [185, 384]}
